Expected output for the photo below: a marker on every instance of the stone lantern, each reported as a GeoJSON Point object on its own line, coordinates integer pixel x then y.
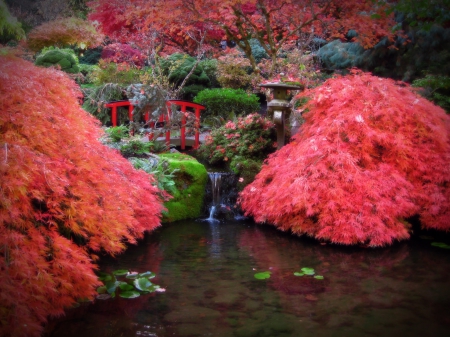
{"type": "Point", "coordinates": [279, 109]}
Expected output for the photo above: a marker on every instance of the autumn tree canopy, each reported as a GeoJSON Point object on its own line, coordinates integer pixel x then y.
{"type": "Point", "coordinates": [64, 32]}
{"type": "Point", "coordinates": [64, 197]}
{"type": "Point", "coordinates": [273, 23]}
{"type": "Point", "coordinates": [371, 155]}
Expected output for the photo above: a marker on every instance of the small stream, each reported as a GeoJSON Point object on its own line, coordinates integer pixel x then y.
{"type": "Point", "coordinates": [208, 268]}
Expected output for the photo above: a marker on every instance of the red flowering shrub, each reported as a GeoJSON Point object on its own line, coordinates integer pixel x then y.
{"type": "Point", "coordinates": [123, 53]}
{"type": "Point", "coordinates": [251, 136]}
{"type": "Point", "coordinates": [370, 155]}
{"type": "Point", "coordinates": [64, 196]}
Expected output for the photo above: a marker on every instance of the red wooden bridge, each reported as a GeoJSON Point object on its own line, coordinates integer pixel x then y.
{"type": "Point", "coordinates": [184, 105]}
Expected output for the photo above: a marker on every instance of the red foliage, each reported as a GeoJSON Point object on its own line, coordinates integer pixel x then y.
{"type": "Point", "coordinates": [64, 33]}
{"type": "Point", "coordinates": [180, 23]}
{"type": "Point", "coordinates": [370, 155]}
{"type": "Point", "coordinates": [64, 196]}
{"type": "Point", "coordinates": [123, 53]}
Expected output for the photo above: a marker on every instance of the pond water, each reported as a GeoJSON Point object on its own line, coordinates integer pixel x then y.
{"type": "Point", "coordinates": [208, 268]}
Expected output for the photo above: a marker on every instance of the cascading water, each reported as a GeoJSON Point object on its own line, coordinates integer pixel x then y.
{"type": "Point", "coordinates": [221, 195]}
{"type": "Point", "coordinates": [216, 182]}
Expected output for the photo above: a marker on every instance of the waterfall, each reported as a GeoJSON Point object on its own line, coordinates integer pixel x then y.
{"type": "Point", "coordinates": [216, 182]}
{"type": "Point", "coordinates": [221, 195]}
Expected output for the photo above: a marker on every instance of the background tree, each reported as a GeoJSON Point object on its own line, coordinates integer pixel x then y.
{"type": "Point", "coordinates": [370, 155]}
{"type": "Point", "coordinates": [66, 32]}
{"type": "Point", "coordinates": [64, 197]}
{"type": "Point", "coordinates": [272, 23]}
{"type": "Point", "coordinates": [10, 28]}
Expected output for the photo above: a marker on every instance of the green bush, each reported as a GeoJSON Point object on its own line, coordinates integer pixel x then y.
{"type": "Point", "coordinates": [246, 169]}
{"type": "Point", "coordinates": [435, 88]}
{"type": "Point", "coordinates": [159, 168]}
{"type": "Point", "coordinates": [210, 68]}
{"type": "Point", "coordinates": [96, 98]}
{"type": "Point", "coordinates": [87, 70]}
{"type": "Point", "coordinates": [91, 56]}
{"type": "Point", "coordinates": [257, 50]}
{"type": "Point", "coordinates": [226, 102]}
{"type": "Point", "coordinates": [110, 72]}
{"type": "Point", "coordinates": [177, 66]}
{"type": "Point", "coordinates": [117, 133]}
{"type": "Point", "coordinates": [66, 60]}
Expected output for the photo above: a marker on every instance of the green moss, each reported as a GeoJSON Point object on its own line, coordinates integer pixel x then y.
{"type": "Point", "coordinates": [190, 184]}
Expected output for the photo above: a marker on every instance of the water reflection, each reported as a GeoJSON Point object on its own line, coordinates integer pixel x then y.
{"type": "Point", "coordinates": [208, 268]}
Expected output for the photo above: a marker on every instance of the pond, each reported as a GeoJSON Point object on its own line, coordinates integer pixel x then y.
{"type": "Point", "coordinates": [208, 270]}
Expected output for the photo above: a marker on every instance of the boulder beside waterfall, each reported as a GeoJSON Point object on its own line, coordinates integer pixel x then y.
{"type": "Point", "coordinates": [190, 182]}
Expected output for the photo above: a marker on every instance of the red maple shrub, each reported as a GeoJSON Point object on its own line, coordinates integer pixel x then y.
{"type": "Point", "coordinates": [64, 32]}
{"type": "Point", "coordinates": [63, 197]}
{"type": "Point", "coordinates": [370, 155]}
{"type": "Point", "coordinates": [123, 53]}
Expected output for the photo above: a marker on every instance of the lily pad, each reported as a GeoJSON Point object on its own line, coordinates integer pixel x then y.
{"type": "Point", "coordinates": [308, 271]}
{"type": "Point", "coordinates": [132, 276]}
{"type": "Point", "coordinates": [440, 245]}
{"type": "Point", "coordinates": [147, 274]}
{"type": "Point", "coordinates": [105, 277]}
{"type": "Point", "coordinates": [130, 294]}
{"type": "Point", "coordinates": [120, 272]}
{"type": "Point", "coordinates": [126, 287]}
{"type": "Point", "coordinates": [142, 283]}
{"type": "Point", "coordinates": [101, 290]}
{"type": "Point", "coordinates": [263, 275]}
{"type": "Point", "coordinates": [297, 273]}
{"type": "Point", "coordinates": [111, 286]}
{"type": "Point", "coordinates": [319, 277]}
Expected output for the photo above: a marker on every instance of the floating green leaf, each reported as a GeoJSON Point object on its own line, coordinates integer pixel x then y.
{"type": "Point", "coordinates": [120, 272]}
{"type": "Point", "coordinates": [142, 283]}
{"type": "Point", "coordinates": [151, 289]}
{"type": "Point", "coordinates": [308, 271]}
{"type": "Point", "coordinates": [297, 273]}
{"type": "Point", "coordinates": [263, 275]}
{"type": "Point", "coordinates": [111, 286]}
{"type": "Point", "coordinates": [126, 287]}
{"type": "Point", "coordinates": [440, 245]}
{"type": "Point", "coordinates": [130, 294]}
{"type": "Point", "coordinates": [147, 274]}
{"type": "Point", "coordinates": [101, 290]}
{"type": "Point", "coordinates": [132, 275]}
{"type": "Point", "coordinates": [319, 277]}
{"type": "Point", "coordinates": [104, 277]}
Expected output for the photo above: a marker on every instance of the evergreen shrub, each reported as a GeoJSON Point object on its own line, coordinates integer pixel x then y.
{"type": "Point", "coordinates": [227, 102]}
{"type": "Point", "coordinates": [177, 66]}
{"type": "Point", "coordinates": [66, 60]}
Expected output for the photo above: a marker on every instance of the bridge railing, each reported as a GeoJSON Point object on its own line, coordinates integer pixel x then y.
{"type": "Point", "coordinates": [185, 107]}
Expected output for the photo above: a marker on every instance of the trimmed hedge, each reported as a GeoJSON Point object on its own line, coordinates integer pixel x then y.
{"type": "Point", "coordinates": [227, 102]}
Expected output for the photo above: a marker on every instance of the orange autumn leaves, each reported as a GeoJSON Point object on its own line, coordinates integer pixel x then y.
{"type": "Point", "coordinates": [64, 197]}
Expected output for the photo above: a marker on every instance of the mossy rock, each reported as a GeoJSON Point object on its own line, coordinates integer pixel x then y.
{"type": "Point", "coordinates": [190, 184]}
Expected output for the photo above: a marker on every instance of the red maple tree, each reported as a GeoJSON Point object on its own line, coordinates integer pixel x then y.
{"type": "Point", "coordinates": [370, 155]}
{"type": "Point", "coordinates": [274, 23]}
{"type": "Point", "coordinates": [64, 197]}
{"type": "Point", "coordinates": [65, 32]}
